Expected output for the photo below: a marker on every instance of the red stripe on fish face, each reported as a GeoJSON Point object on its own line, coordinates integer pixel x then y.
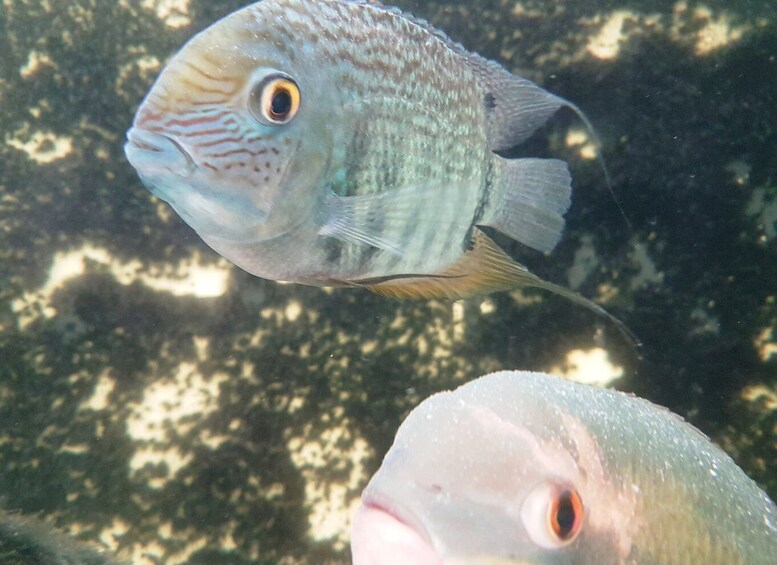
{"type": "Point", "coordinates": [212, 132]}
{"type": "Point", "coordinates": [236, 151]}
{"type": "Point", "coordinates": [195, 121]}
{"type": "Point", "coordinates": [220, 140]}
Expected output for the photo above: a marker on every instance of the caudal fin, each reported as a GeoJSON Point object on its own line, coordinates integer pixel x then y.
{"type": "Point", "coordinates": [528, 201]}
{"type": "Point", "coordinates": [516, 108]}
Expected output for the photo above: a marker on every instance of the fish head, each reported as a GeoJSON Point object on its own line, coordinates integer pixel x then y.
{"type": "Point", "coordinates": [233, 134]}
{"type": "Point", "coordinates": [464, 484]}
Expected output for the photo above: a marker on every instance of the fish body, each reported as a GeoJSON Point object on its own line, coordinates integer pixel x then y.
{"type": "Point", "coordinates": [335, 142]}
{"type": "Point", "coordinates": [519, 467]}
{"type": "Point", "coordinates": [28, 539]}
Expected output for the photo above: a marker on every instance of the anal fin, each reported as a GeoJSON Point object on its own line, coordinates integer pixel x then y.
{"type": "Point", "coordinates": [482, 270]}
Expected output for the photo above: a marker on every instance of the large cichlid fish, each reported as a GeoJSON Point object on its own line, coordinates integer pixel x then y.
{"type": "Point", "coordinates": [335, 142]}
{"type": "Point", "coordinates": [525, 468]}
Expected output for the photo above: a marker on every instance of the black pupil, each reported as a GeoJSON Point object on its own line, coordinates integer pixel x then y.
{"type": "Point", "coordinates": [565, 515]}
{"type": "Point", "coordinates": [281, 102]}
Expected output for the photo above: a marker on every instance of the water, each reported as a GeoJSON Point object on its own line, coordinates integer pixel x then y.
{"type": "Point", "coordinates": [180, 410]}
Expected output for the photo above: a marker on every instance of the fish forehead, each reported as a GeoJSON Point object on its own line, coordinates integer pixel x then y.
{"type": "Point", "coordinates": [463, 472]}
{"type": "Point", "coordinates": [366, 69]}
{"type": "Point", "coordinates": [673, 479]}
{"type": "Point", "coordinates": [365, 46]}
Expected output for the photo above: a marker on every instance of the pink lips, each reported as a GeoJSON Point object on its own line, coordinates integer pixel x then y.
{"type": "Point", "coordinates": [150, 152]}
{"type": "Point", "coordinates": [380, 537]}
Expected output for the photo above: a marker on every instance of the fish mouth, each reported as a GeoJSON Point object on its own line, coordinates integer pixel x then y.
{"type": "Point", "coordinates": [168, 171]}
{"type": "Point", "coordinates": [153, 152]}
{"type": "Point", "coordinates": [383, 533]}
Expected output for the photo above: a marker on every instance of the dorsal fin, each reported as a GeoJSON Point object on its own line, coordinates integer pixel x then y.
{"type": "Point", "coordinates": [515, 106]}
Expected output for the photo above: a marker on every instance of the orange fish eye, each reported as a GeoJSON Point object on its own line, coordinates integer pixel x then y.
{"type": "Point", "coordinates": [553, 514]}
{"type": "Point", "coordinates": [275, 100]}
{"type": "Point", "coordinates": [565, 514]}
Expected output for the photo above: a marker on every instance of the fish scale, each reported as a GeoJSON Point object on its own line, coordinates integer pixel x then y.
{"type": "Point", "coordinates": [384, 173]}
{"type": "Point", "coordinates": [462, 478]}
{"type": "Point", "coordinates": [416, 77]}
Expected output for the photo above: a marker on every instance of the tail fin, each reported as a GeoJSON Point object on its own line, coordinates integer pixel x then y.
{"type": "Point", "coordinates": [516, 108]}
{"type": "Point", "coordinates": [528, 200]}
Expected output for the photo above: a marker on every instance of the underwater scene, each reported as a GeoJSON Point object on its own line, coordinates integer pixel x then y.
{"type": "Point", "coordinates": [231, 268]}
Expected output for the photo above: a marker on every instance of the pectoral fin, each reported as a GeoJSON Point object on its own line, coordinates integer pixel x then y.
{"type": "Point", "coordinates": [384, 219]}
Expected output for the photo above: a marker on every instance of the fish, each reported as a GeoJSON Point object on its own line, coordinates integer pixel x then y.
{"type": "Point", "coordinates": [526, 468]}
{"type": "Point", "coordinates": [29, 539]}
{"type": "Point", "coordinates": [346, 143]}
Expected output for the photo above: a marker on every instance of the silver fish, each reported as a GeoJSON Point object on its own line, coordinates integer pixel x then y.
{"type": "Point", "coordinates": [335, 142]}
{"type": "Point", "coordinates": [525, 468]}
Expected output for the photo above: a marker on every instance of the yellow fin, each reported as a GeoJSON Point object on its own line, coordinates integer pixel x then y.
{"type": "Point", "coordinates": [482, 270]}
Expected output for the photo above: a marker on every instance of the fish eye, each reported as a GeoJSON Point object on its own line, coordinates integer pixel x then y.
{"type": "Point", "coordinates": [553, 515]}
{"type": "Point", "coordinates": [275, 99]}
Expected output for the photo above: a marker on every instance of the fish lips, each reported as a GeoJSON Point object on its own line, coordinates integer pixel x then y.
{"type": "Point", "coordinates": [169, 171]}
{"type": "Point", "coordinates": [152, 152]}
{"type": "Point", "coordinates": [383, 533]}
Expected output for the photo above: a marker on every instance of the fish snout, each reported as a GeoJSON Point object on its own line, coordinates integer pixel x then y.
{"type": "Point", "coordinates": [381, 535]}
{"type": "Point", "coordinates": [152, 152]}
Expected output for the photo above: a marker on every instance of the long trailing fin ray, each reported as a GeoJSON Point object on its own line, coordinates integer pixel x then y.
{"type": "Point", "coordinates": [485, 268]}
{"type": "Point", "coordinates": [529, 201]}
{"type": "Point", "coordinates": [599, 157]}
